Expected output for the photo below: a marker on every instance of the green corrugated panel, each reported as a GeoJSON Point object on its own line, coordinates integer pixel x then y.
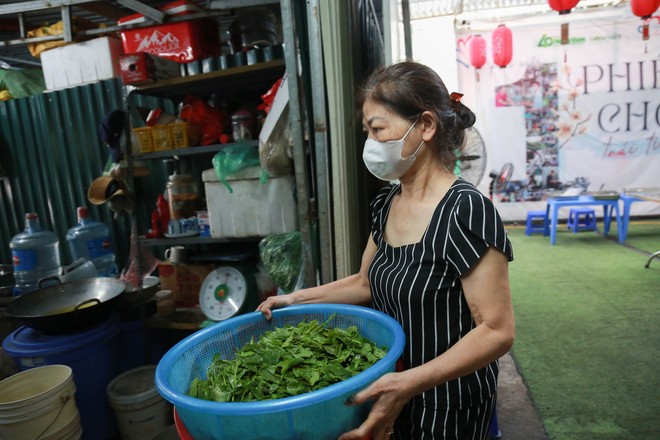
{"type": "Point", "coordinates": [51, 151]}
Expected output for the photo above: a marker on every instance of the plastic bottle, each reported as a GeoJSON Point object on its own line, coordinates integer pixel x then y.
{"type": "Point", "coordinates": [90, 239]}
{"type": "Point", "coordinates": [35, 254]}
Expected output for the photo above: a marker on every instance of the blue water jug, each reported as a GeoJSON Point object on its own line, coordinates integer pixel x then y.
{"type": "Point", "coordinates": [90, 239]}
{"type": "Point", "coordinates": [35, 254]}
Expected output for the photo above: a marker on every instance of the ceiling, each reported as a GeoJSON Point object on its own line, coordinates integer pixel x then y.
{"type": "Point", "coordinates": [17, 55]}
{"type": "Point", "coordinates": [434, 8]}
{"type": "Point", "coordinates": [37, 13]}
{"type": "Point", "coordinates": [108, 11]}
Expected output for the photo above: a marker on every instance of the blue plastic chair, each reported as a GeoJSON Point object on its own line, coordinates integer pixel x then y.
{"type": "Point", "coordinates": [582, 219]}
{"type": "Point", "coordinates": [535, 222]}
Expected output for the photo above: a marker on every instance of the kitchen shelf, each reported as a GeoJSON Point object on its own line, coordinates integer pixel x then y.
{"type": "Point", "coordinates": [191, 151]}
{"type": "Point", "coordinates": [193, 240]}
{"type": "Point", "coordinates": [228, 80]}
{"type": "Point", "coordinates": [237, 84]}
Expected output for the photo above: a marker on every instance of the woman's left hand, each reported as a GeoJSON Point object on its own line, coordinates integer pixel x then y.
{"type": "Point", "coordinates": [389, 396]}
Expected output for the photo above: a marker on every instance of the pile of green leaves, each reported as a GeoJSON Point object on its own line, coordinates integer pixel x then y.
{"type": "Point", "coordinates": [287, 362]}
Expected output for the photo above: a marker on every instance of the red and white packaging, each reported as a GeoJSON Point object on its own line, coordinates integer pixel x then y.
{"type": "Point", "coordinates": [182, 41]}
{"type": "Point", "coordinates": [139, 68]}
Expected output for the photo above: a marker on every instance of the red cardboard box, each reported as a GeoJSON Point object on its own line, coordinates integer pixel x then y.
{"type": "Point", "coordinates": [138, 68]}
{"type": "Point", "coordinates": [182, 42]}
{"type": "Point", "coordinates": [184, 280]}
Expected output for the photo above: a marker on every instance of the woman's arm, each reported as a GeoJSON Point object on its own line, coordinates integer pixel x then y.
{"type": "Point", "coordinates": [486, 288]}
{"type": "Point", "coordinates": [353, 289]}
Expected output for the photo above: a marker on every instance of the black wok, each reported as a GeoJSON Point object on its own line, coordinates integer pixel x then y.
{"type": "Point", "coordinates": [68, 307]}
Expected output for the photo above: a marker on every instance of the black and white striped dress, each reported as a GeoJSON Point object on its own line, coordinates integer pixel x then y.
{"type": "Point", "coordinates": [419, 285]}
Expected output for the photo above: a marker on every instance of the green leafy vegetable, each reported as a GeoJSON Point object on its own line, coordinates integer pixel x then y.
{"type": "Point", "coordinates": [286, 362]}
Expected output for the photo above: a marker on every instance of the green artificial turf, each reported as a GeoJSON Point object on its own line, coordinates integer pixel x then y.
{"type": "Point", "coordinates": [587, 341]}
{"type": "Point", "coordinates": [643, 235]}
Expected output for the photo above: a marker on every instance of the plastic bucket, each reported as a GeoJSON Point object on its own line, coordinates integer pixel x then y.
{"type": "Point", "coordinates": [92, 354]}
{"type": "Point", "coordinates": [140, 411]}
{"type": "Point", "coordinates": [39, 404]}
{"type": "Point", "coordinates": [168, 433]}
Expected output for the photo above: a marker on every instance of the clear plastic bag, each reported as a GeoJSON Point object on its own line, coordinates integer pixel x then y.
{"type": "Point", "coordinates": [276, 152]}
{"type": "Point", "coordinates": [146, 264]}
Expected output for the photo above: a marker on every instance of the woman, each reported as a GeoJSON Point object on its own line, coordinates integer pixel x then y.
{"type": "Point", "coordinates": [437, 262]}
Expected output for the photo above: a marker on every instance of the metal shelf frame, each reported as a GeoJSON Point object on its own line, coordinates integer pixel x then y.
{"type": "Point", "coordinates": [300, 28]}
{"type": "Point", "coordinates": [243, 77]}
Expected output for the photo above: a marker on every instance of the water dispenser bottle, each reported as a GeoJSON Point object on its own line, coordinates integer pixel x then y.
{"type": "Point", "coordinates": [35, 255]}
{"type": "Point", "coordinates": [90, 239]}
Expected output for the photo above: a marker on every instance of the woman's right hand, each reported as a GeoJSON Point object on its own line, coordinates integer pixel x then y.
{"type": "Point", "coordinates": [274, 302]}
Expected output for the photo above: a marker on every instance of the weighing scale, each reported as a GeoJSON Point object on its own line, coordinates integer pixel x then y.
{"type": "Point", "coordinates": [230, 289]}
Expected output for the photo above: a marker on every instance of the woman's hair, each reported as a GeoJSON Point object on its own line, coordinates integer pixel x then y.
{"type": "Point", "coordinates": [409, 89]}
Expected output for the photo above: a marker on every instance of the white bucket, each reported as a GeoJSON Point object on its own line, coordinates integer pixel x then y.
{"type": "Point", "coordinates": [140, 411]}
{"type": "Point", "coordinates": [39, 404]}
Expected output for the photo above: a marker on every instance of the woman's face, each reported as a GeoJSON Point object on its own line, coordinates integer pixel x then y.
{"type": "Point", "coordinates": [381, 124]}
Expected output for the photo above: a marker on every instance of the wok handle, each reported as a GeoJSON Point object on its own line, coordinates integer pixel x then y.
{"type": "Point", "coordinates": [43, 280]}
{"type": "Point", "coordinates": [87, 301]}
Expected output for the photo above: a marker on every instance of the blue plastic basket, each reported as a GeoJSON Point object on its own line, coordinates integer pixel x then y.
{"type": "Point", "coordinates": [321, 414]}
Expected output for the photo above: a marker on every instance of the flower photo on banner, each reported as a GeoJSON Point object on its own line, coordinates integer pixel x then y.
{"type": "Point", "coordinates": [571, 121]}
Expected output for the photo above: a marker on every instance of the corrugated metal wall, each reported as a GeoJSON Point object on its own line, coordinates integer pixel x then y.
{"type": "Point", "coordinates": [51, 152]}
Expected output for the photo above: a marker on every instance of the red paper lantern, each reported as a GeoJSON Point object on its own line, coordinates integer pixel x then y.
{"type": "Point", "coordinates": [502, 45]}
{"type": "Point", "coordinates": [478, 51]}
{"type": "Point", "coordinates": [563, 6]}
{"type": "Point", "coordinates": [644, 8]}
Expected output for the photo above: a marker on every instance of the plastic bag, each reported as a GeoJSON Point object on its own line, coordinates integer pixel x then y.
{"type": "Point", "coordinates": [275, 153]}
{"type": "Point", "coordinates": [209, 121]}
{"type": "Point", "coordinates": [275, 146]}
{"type": "Point", "coordinates": [146, 265]}
{"type": "Point", "coordinates": [79, 24]}
{"type": "Point", "coordinates": [281, 255]}
{"type": "Point", "coordinates": [235, 158]}
{"type": "Point", "coordinates": [22, 83]}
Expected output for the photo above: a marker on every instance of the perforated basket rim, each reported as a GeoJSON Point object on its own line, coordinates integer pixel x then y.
{"type": "Point", "coordinates": [339, 389]}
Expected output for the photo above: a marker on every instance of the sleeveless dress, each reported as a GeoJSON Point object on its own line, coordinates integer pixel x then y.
{"type": "Point", "coordinates": [419, 285]}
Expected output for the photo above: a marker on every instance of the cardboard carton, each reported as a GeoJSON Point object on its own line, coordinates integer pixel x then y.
{"type": "Point", "coordinates": [139, 68]}
{"type": "Point", "coordinates": [184, 280]}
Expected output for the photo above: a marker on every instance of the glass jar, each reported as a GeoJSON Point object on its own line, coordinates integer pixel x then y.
{"type": "Point", "coordinates": [182, 195]}
{"type": "Point", "coordinates": [242, 124]}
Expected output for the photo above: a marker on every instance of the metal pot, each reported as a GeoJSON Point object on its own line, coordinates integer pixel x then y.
{"type": "Point", "coordinates": [138, 304]}
{"type": "Point", "coordinates": [6, 280]}
{"type": "Point", "coordinates": [255, 28]}
{"type": "Point", "coordinates": [68, 307]}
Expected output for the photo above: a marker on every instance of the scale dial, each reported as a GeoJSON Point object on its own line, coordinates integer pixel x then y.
{"type": "Point", "coordinates": [223, 293]}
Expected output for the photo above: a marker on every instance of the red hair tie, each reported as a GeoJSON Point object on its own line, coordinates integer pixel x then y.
{"type": "Point", "coordinates": [455, 97]}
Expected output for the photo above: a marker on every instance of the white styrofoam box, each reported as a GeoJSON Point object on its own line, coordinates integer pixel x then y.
{"type": "Point", "coordinates": [82, 63]}
{"type": "Point", "coordinates": [253, 208]}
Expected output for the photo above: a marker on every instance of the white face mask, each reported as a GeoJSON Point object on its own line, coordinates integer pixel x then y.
{"type": "Point", "coordinates": [383, 159]}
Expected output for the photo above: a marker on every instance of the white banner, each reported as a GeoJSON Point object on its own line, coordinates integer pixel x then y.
{"type": "Point", "coordinates": [583, 115]}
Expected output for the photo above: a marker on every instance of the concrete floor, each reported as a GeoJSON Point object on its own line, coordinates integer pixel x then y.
{"type": "Point", "coordinates": [516, 414]}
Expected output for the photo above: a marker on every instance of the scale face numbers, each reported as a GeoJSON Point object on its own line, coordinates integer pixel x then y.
{"type": "Point", "coordinates": [223, 293]}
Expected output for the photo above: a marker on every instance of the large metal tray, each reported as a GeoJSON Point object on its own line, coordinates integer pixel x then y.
{"type": "Point", "coordinates": [604, 195]}
{"type": "Point", "coordinates": [637, 191]}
